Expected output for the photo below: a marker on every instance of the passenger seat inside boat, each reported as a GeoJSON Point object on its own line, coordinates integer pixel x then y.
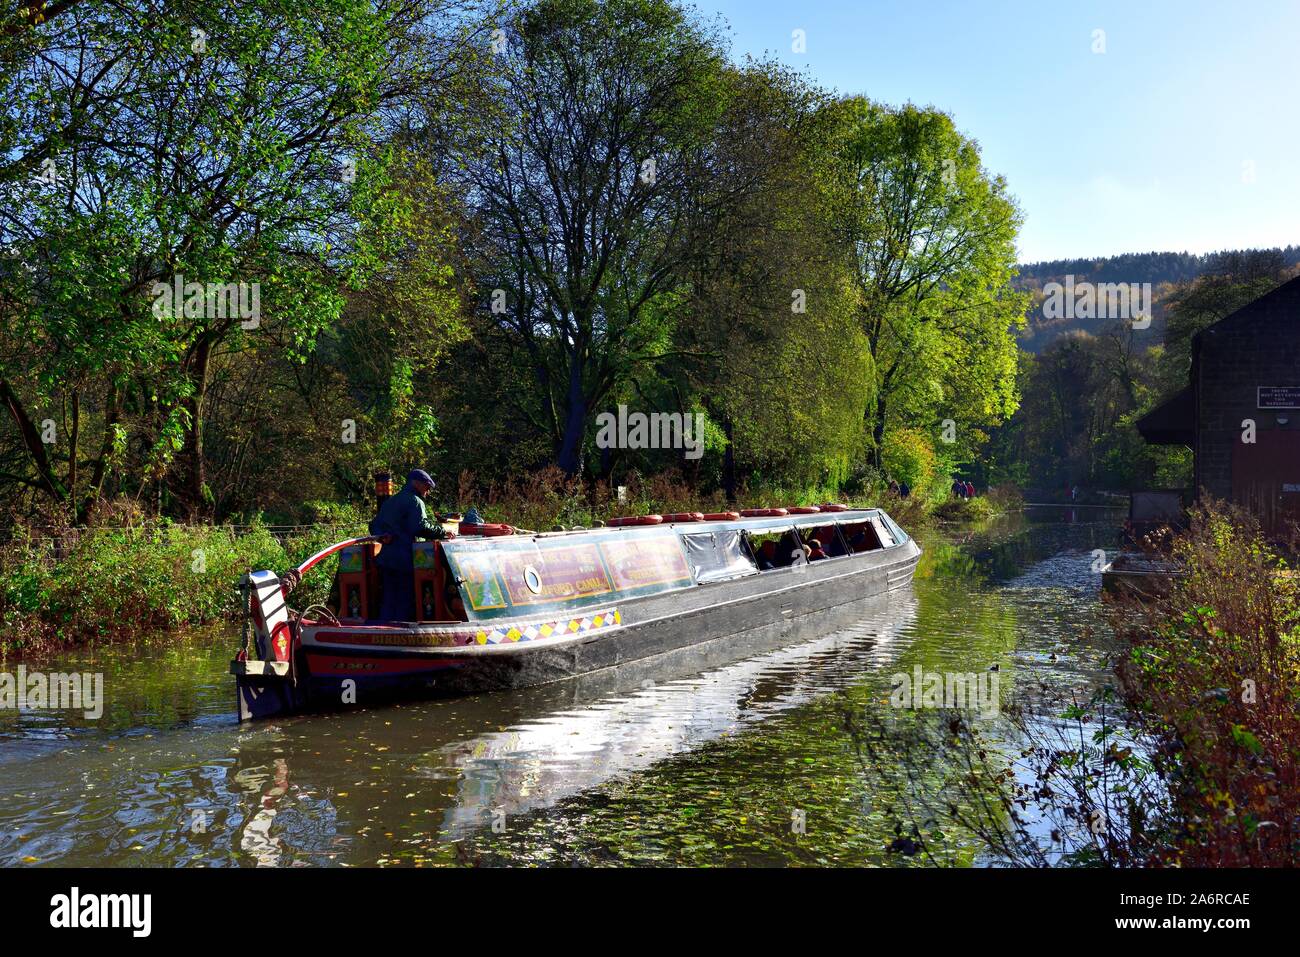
{"type": "Point", "coordinates": [772, 550]}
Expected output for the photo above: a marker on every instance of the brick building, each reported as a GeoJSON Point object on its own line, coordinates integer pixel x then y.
{"type": "Point", "coordinates": [1245, 385]}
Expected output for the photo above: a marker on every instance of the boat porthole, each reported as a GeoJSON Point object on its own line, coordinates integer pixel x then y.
{"type": "Point", "coordinates": [533, 580]}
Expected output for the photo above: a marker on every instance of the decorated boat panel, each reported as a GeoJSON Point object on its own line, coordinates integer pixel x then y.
{"type": "Point", "coordinates": [501, 577]}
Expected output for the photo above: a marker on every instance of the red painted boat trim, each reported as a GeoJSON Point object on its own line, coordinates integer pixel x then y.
{"type": "Point", "coordinates": [323, 665]}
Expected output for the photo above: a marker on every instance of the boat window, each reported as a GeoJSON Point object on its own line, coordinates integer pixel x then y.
{"type": "Point", "coordinates": [828, 538]}
{"type": "Point", "coordinates": [513, 575]}
{"type": "Point", "coordinates": [775, 549]}
{"type": "Point", "coordinates": [718, 555]}
{"type": "Point", "coordinates": [884, 534]}
{"type": "Point", "coordinates": [900, 536]}
{"type": "Point", "coordinates": [861, 536]}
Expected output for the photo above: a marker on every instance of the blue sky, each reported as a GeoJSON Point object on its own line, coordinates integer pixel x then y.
{"type": "Point", "coordinates": [1183, 135]}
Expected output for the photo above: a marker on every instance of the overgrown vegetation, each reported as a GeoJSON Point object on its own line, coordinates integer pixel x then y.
{"type": "Point", "coordinates": [138, 575]}
{"type": "Point", "coordinates": [1214, 678]}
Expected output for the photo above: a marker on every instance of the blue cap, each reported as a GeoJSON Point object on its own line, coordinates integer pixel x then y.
{"type": "Point", "coordinates": [418, 475]}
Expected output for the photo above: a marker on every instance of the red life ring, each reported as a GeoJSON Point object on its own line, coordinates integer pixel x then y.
{"type": "Point", "coordinates": [684, 517]}
{"type": "Point", "coordinates": [635, 520]}
{"type": "Point", "coordinates": [803, 509]}
{"type": "Point", "coordinates": [721, 516]}
{"type": "Point", "coordinates": [762, 512]}
{"type": "Point", "coordinates": [466, 528]}
{"type": "Point", "coordinates": [834, 507]}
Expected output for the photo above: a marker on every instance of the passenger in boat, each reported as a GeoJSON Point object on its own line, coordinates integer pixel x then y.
{"type": "Point", "coordinates": [401, 520]}
{"type": "Point", "coordinates": [767, 556]}
{"type": "Point", "coordinates": [815, 550]}
{"type": "Point", "coordinates": [789, 550]}
{"type": "Point", "coordinates": [859, 541]}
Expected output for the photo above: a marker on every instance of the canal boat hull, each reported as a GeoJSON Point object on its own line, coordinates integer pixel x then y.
{"type": "Point", "coordinates": [346, 665]}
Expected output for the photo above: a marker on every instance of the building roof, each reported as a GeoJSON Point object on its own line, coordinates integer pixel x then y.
{"type": "Point", "coordinates": [1171, 422]}
{"type": "Point", "coordinates": [1282, 302]}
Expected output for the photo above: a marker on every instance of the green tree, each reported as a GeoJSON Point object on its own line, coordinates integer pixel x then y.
{"type": "Point", "coordinates": [770, 342]}
{"type": "Point", "coordinates": [580, 188]}
{"type": "Point", "coordinates": [930, 237]}
{"type": "Point", "coordinates": [210, 141]}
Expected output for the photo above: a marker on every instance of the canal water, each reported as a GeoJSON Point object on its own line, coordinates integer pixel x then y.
{"type": "Point", "coordinates": [755, 760]}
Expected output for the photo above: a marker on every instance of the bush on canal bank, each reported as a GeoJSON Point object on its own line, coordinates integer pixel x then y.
{"type": "Point", "coordinates": [137, 575]}
{"type": "Point", "coordinates": [548, 498]}
{"type": "Point", "coordinates": [998, 501]}
{"type": "Point", "coordinates": [1213, 675]}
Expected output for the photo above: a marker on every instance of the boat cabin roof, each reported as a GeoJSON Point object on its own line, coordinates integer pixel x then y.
{"type": "Point", "coordinates": [518, 575]}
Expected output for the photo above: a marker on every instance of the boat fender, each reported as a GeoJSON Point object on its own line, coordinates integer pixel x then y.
{"type": "Point", "coordinates": [627, 520]}
{"type": "Point", "coordinates": [684, 517]}
{"type": "Point", "coordinates": [803, 509]}
{"type": "Point", "coordinates": [762, 512]}
{"type": "Point", "coordinates": [721, 516]}
{"type": "Point", "coordinates": [834, 507]}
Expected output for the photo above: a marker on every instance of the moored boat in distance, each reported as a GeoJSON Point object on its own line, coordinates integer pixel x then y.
{"type": "Point", "coordinates": [499, 609]}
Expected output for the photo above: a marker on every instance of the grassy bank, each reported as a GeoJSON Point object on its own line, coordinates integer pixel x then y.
{"type": "Point", "coordinates": [101, 583]}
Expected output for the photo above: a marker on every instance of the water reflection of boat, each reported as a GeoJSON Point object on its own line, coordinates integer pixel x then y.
{"type": "Point", "coordinates": [542, 608]}
{"type": "Point", "coordinates": [554, 741]}
{"type": "Point", "coordinates": [255, 837]}
{"type": "Point", "coordinates": [535, 764]}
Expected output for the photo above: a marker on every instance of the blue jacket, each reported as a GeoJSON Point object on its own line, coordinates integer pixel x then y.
{"type": "Point", "coordinates": [404, 517]}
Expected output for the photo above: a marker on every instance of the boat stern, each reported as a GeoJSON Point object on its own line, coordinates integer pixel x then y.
{"type": "Point", "coordinates": [265, 682]}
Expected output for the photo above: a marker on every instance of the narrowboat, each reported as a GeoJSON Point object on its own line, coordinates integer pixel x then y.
{"type": "Point", "coordinates": [500, 608]}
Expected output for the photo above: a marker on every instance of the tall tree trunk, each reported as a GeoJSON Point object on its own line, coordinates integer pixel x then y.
{"type": "Point", "coordinates": [112, 414]}
{"type": "Point", "coordinates": [192, 477]}
{"type": "Point", "coordinates": [74, 443]}
{"type": "Point", "coordinates": [575, 421]}
{"type": "Point", "coordinates": [32, 440]}
{"type": "Point", "coordinates": [729, 462]}
{"type": "Point", "coordinates": [878, 432]}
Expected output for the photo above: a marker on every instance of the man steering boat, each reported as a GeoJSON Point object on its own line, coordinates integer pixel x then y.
{"type": "Point", "coordinates": [401, 520]}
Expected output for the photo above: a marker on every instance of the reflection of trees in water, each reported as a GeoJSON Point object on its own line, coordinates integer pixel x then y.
{"type": "Point", "coordinates": [1003, 549]}
{"type": "Point", "coordinates": [1057, 780]}
{"type": "Point", "coordinates": [540, 764]}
